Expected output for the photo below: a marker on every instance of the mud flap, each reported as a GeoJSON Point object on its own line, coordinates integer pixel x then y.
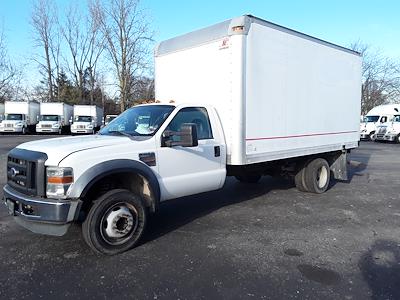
{"type": "Point", "coordinates": [339, 167]}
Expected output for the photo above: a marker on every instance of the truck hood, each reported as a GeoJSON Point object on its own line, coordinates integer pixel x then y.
{"type": "Point", "coordinates": [58, 148]}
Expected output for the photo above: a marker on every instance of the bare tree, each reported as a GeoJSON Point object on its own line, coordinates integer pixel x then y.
{"type": "Point", "coordinates": [127, 33]}
{"type": "Point", "coordinates": [44, 24]}
{"type": "Point", "coordinates": [8, 72]}
{"type": "Point", "coordinates": [85, 46]}
{"type": "Point", "coordinates": [380, 75]}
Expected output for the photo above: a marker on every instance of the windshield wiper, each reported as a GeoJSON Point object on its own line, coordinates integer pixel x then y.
{"type": "Point", "coordinates": [120, 132]}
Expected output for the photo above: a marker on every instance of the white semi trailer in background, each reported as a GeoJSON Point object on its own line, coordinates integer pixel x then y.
{"type": "Point", "coordinates": [54, 117]}
{"type": "Point", "coordinates": [375, 118]}
{"type": "Point", "coordinates": [1, 112]}
{"type": "Point", "coordinates": [87, 119]}
{"type": "Point", "coordinates": [20, 117]}
{"type": "Point", "coordinates": [242, 98]}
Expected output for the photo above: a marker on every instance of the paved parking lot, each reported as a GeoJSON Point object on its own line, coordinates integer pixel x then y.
{"type": "Point", "coordinates": [260, 241]}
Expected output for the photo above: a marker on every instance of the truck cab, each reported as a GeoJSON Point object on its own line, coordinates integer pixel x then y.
{"type": "Point", "coordinates": [389, 131]}
{"type": "Point", "coordinates": [50, 123]}
{"type": "Point", "coordinates": [14, 123]}
{"type": "Point", "coordinates": [369, 126]}
{"type": "Point", "coordinates": [140, 168]}
{"type": "Point", "coordinates": [83, 124]}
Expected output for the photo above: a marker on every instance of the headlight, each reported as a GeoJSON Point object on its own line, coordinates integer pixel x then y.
{"type": "Point", "coordinates": [90, 126]}
{"type": "Point", "coordinates": [58, 181]}
{"type": "Point", "coordinates": [19, 125]}
{"type": "Point", "coordinates": [56, 125]}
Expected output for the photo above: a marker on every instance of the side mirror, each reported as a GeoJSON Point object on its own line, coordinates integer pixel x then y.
{"type": "Point", "coordinates": [70, 120]}
{"type": "Point", "coordinates": [37, 118]}
{"type": "Point", "coordinates": [186, 137]}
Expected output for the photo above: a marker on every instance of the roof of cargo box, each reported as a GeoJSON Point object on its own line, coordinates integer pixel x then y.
{"type": "Point", "coordinates": [227, 28]}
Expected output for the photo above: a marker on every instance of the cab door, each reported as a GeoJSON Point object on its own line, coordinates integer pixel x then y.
{"type": "Point", "coordinates": [191, 170]}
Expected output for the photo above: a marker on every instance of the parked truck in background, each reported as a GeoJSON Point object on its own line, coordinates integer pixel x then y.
{"type": "Point", "coordinates": [375, 118]}
{"type": "Point", "coordinates": [87, 119]}
{"type": "Point", "coordinates": [108, 119]}
{"type": "Point", "coordinates": [1, 112]}
{"type": "Point", "coordinates": [249, 98]}
{"type": "Point", "coordinates": [389, 131]}
{"type": "Point", "coordinates": [54, 117]}
{"type": "Point", "coordinates": [20, 117]}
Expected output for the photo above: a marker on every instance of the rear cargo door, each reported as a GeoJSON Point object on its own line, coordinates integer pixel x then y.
{"type": "Point", "coordinates": [190, 170]}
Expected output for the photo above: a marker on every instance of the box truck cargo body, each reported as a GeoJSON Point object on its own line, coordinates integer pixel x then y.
{"type": "Point", "coordinates": [279, 93]}
{"type": "Point", "coordinates": [243, 98]}
{"type": "Point", "coordinates": [54, 117]}
{"type": "Point", "coordinates": [20, 116]}
{"type": "Point", "coordinates": [87, 119]}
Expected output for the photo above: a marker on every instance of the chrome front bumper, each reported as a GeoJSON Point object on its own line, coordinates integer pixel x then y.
{"type": "Point", "coordinates": [11, 129]}
{"type": "Point", "coordinates": [79, 130]}
{"type": "Point", "coordinates": [47, 130]}
{"type": "Point", "coordinates": [41, 215]}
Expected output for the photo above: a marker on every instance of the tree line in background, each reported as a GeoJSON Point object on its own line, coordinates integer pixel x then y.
{"type": "Point", "coordinates": [80, 49]}
{"type": "Point", "coordinates": [114, 38]}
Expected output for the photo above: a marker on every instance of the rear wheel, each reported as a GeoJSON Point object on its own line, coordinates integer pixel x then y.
{"type": "Point", "coordinates": [300, 179]}
{"type": "Point", "coordinates": [115, 222]}
{"type": "Point", "coordinates": [248, 178]}
{"type": "Point", "coordinates": [317, 176]}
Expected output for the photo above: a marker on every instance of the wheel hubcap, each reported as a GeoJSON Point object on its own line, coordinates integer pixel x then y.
{"type": "Point", "coordinates": [119, 223]}
{"type": "Point", "coordinates": [322, 177]}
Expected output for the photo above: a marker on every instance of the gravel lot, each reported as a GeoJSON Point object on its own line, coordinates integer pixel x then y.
{"type": "Point", "coordinates": [260, 241]}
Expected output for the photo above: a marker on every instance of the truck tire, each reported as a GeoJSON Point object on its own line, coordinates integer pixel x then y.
{"type": "Point", "coordinates": [317, 176]}
{"type": "Point", "coordinates": [248, 178]}
{"type": "Point", "coordinates": [115, 222]}
{"type": "Point", "coordinates": [300, 178]}
{"type": "Point", "coordinates": [397, 140]}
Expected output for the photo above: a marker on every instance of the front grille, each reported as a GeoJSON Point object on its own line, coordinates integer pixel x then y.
{"type": "Point", "coordinates": [380, 136]}
{"type": "Point", "coordinates": [46, 125]}
{"type": "Point", "coordinates": [25, 171]}
{"type": "Point", "coordinates": [9, 125]}
{"type": "Point", "coordinates": [81, 126]}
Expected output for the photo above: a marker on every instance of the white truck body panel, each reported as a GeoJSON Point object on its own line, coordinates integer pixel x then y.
{"type": "Point", "coordinates": [63, 110]}
{"type": "Point", "coordinates": [279, 93]}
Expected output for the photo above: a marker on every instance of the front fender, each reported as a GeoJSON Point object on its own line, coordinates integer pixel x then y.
{"type": "Point", "coordinates": [103, 169]}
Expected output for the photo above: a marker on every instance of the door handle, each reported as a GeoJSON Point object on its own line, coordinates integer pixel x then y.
{"type": "Point", "coordinates": [217, 151]}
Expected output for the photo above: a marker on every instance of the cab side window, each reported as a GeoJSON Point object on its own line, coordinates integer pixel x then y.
{"type": "Point", "coordinates": [194, 115]}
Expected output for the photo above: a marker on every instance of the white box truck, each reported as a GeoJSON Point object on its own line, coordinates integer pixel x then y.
{"type": "Point", "coordinates": [242, 98]}
{"type": "Point", "coordinates": [87, 119]}
{"type": "Point", "coordinates": [1, 112]}
{"type": "Point", "coordinates": [54, 117]}
{"type": "Point", "coordinates": [20, 117]}
{"type": "Point", "coordinates": [375, 118]}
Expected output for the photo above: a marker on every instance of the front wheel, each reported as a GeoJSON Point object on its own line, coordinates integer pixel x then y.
{"type": "Point", "coordinates": [23, 130]}
{"type": "Point", "coordinates": [115, 222]}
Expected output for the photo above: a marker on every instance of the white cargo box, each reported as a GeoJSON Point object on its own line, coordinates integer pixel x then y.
{"type": "Point", "coordinates": [29, 109]}
{"type": "Point", "coordinates": [279, 93]}
{"type": "Point", "coordinates": [57, 109]}
{"type": "Point", "coordinates": [89, 110]}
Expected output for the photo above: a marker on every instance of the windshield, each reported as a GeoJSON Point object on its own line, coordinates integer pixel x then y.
{"type": "Point", "coordinates": [14, 117]}
{"type": "Point", "coordinates": [369, 119]}
{"type": "Point", "coordinates": [53, 118]}
{"type": "Point", "coordinates": [83, 119]}
{"type": "Point", "coordinates": [139, 121]}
